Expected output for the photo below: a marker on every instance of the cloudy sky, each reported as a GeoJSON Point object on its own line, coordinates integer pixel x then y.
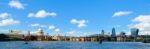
{"type": "Point", "coordinates": [72, 16]}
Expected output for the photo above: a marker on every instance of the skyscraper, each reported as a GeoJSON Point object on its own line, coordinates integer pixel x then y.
{"type": "Point", "coordinates": [113, 32]}
{"type": "Point", "coordinates": [102, 32]}
{"type": "Point", "coordinates": [134, 32]}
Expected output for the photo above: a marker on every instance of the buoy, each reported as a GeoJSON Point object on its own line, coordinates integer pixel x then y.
{"type": "Point", "coordinates": [26, 42]}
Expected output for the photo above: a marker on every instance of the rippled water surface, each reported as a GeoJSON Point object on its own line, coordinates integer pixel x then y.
{"type": "Point", "coordinates": [72, 45]}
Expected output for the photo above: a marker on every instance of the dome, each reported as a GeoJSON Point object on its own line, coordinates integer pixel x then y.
{"type": "Point", "coordinates": [40, 29]}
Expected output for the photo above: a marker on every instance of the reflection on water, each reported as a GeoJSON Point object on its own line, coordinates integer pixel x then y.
{"type": "Point", "coordinates": [72, 45]}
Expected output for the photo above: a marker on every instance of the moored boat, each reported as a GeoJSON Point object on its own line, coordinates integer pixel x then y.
{"type": "Point", "coordinates": [146, 41]}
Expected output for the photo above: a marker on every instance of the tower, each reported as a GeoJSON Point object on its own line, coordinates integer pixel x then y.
{"type": "Point", "coordinates": [28, 33]}
{"type": "Point", "coordinates": [40, 34]}
{"type": "Point", "coordinates": [134, 32]}
{"type": "Point", "coordinates": [113, 32]}
{"type": "Point", "coordinates": [102, 32]}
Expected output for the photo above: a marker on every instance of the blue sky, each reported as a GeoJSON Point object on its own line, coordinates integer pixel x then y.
{"type": "Point", "coordinates": [73, 15]}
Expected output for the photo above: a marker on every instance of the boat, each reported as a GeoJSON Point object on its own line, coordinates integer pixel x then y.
{"type": "Point", "coordinates": [146, 41]}
{"type": "Point", "coordinates": [100, 41]}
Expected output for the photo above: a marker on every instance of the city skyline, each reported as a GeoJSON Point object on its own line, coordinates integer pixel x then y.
{"type": "Point", "coordinates": [70, 17]}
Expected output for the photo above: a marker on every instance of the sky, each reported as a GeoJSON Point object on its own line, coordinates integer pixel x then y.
{"type": "Point", "coordinates": [75, 17]}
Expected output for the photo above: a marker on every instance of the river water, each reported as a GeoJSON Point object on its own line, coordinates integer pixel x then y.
{"type": "Point", "coordinates": [72, 45]}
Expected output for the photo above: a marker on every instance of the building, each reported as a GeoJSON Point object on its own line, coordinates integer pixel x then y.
{"type": "Point", "coordinates": [56, 37]}
{"type": "Point", "coordinates": [113, 32]}
{"type": "Point", "coordinates": [113, 35]}
{"type": "Point", "coordinates": [102, 32]}
{"type": "Point", "coordinates": [15, 35]}
{"type": "Point", "coordinates": [122, 37]}
{"type": "Point", "coordinates": [40, 34]}
{"type": "Point", "coordinates": [134, 32]}
{"type": "Point", "coordinates": [28, 37]}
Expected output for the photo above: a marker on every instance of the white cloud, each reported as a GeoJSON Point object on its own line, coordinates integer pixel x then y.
{"type": "Point", "coordinates": [7, 22]}
{"type": "Point", "coordinates": [121, 13]}
{"type": "Point", "coordinates": [37, 25]}
{"type": "Point", "coordinates": [33, 32]}
{"type": "Point", "coordinates": [142, 22]}
{"type": "Point", "coordinates": [79, 23]}
{"type": "Point", "coordinates": [52, 27]}
{"type": "Point", "coordinates": [72, 32]}
{"type": "Point", "coordinates": [76, 33]}
{"type": "Point", "coordinates": [74, 21]}
{"type": "Point", "coordinates": [16, 4]}
{"type": "Point", "coordinates": [57, 30]}
{"type": "Point", "coordinates": [4, 15]}
{"type": "Point", "coordinates": [42, 14]}
{"type": "Point", "coordinates": [142, 18]}
{"type": "Point", "coordinates": [43, 26]}
{"type": "Point", "coordinates": [30, 15]}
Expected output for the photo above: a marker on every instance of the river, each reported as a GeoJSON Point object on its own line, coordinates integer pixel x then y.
{"type": "Point", "coordinates": [72, 45]}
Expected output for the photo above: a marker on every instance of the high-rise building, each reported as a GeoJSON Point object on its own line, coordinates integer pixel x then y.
{"type": "Point", "coordinates": [102, 32]}
{"type": "Point", "coordinates": [28, 33]}
{"type": "Point", "coordinates": [113, 32]}
{"type": "Point", "coordinates": [134, 32]}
